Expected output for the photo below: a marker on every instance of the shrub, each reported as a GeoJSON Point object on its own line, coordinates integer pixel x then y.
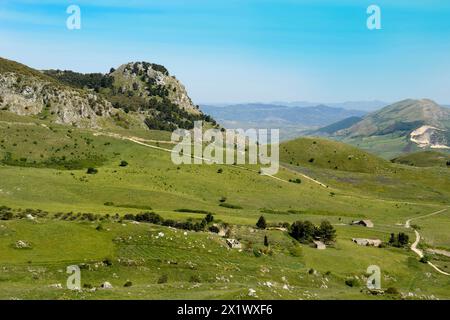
{"type": "Point", "coordinates": [425, 259]}
{"type": "Point", "coordinates": [295, 180]}
{"type": "Point", "coordinates": [195, 279]}
{"type": "Point", "coordinates": [123, 163]}
{"type": "Point", "coordinates": [163, 279]}
{"type": "Point", "coordinates": [214, 229]}
{"type": "Point", "coordinates": [128, 284]}
{"type": "Point", "coordinates": [92, 171]}
{"type": "Point", "coordinates": [108, 262]}
{"type": "Point", "coordinates": [209, 218]}
{"type": "Point", "coordinates": [257, 252]}
{"type": "Point", "coordinates": [352, 282]}
{"type": "Point", "coordinates": [220, 170]}
{"type": "Point", "coordinates": [392, 290]}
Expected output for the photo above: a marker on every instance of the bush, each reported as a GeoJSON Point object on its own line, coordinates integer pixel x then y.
{"type": "Point", "coordinates": [220, 170]}
{"type": "Point", "coordinates": [230, 206]}
{"type": "Point", "coordinates": [352, 282]}
{"type": "Point", "coordinates": [163, 279]}
{"type": "Point", "coordinates": [214, 229]}
{"type": "Point", "coordinates": [92, 171]}
{"type": "Point", "coordinates": [128, 284]}
{"type": "Point", "coordinates": [425, 259]}
{"type": "Point", "coordinates": [108, 262]}
{"type": "Point", "coordinates": [123, 163]}
{"type": "Point", "coordinates": [392, 290]}
{"type": "Point", "coordinates": [195, 279]}
{"type": "Point", "coordinates": [6, 213]}
{"type": "Point", "coordinates": [257, 252]}
{"type": "Point", "coordinates": [209, 218]}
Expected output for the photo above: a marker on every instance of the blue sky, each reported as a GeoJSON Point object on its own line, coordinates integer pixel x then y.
{"type": "Point", "coordinates": [247, 50]}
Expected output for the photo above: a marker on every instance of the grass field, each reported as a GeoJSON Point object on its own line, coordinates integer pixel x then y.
{"type": "Point", "coordinates": [44, 166]}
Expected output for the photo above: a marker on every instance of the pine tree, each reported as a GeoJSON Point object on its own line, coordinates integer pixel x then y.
{"type": "Point", "coordinates": [261, 224]}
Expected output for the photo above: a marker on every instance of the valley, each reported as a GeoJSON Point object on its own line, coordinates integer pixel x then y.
{"type": "Point", "coordinates": [106, 196]}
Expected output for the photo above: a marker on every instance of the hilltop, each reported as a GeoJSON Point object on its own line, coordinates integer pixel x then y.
{"type": "Point", "coordinates": [328, 154]}
{"type": "Point", "coordinates": [137, 95]}
{"type": "Point", "coordinates": [405, 126]}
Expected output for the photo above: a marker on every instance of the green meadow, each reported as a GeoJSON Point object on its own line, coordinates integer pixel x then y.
{"type": "Point", "coordinates": [44, 166]}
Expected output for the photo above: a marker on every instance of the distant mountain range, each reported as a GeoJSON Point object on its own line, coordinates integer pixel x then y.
{"type": "Point", "coordinates": [292, 121]}
{"type": "Point", "coordinates": [366, 106]}
{"type": "Point", "coordinates": [404, 126]}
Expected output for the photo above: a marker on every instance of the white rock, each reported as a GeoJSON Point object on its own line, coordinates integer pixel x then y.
{"type": "Point", "coordinates": [106, 285]}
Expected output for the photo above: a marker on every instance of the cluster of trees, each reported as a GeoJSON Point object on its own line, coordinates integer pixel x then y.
{"type": "Point", "coordinates": [147, 65]}
{"type": "Point", "coordinates": [306, 231]}
{"type": "Point", "coordinates": [94, 81]}
{"type": "Point", "coordinates": [170, 116]}
{"type": "Point", "coordinates": [399, 240]}
{"type": "Point", "coordinates": [151, 217]}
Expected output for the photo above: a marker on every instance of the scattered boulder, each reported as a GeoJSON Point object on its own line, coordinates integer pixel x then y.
{"type": "Point", "coordinates": [20, 244]}
{"type": "Point", "coordinates": [106, 285]}
{"type": "Point", "coordinates": [234, 244]}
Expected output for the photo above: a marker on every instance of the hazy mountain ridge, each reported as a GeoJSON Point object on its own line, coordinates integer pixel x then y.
{"type": "Point", "coordinates": [413, 124]}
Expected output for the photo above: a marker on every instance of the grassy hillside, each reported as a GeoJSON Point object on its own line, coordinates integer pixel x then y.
{"type": "Point", "coordinates": [424, 159]}
{"type": "Point", "coordinates": [198, 264]}
{"type": "Point", "coordinates": [328, 154]}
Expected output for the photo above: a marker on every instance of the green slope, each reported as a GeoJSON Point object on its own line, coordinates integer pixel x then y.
{"type": "Point", "coordinates": [424, 159]}
{"type": "Point", "coordinates": [328, 154]}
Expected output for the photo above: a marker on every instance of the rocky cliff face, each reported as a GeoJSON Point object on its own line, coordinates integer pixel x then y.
{"type": "Point", "coordinates": [138, 94]}
{"type": "Point", "coordinates": [31, 95]}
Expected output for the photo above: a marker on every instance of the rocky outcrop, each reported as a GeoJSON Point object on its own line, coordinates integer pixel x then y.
{"type": "Point", "coordinates": [31, 95]}
{"type": "Point", "coordinates": [432, 137]}
{"type": "Point", "coordinates": [152, 80]}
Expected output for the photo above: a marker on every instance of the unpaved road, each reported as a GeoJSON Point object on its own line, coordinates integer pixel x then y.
{"type": "Point", "coordinates": [416, 243]}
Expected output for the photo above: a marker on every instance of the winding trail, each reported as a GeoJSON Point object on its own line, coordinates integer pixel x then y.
{"type": "Point", "coordinates": [418, 237]}
{"type": "Point", "coordinates": [142, 142]}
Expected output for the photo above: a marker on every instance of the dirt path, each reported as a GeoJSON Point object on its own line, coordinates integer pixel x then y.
{"type": "Point", "coordinates": [142, 142]}
{"type": "Point", "coordinates": [414, 248]}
